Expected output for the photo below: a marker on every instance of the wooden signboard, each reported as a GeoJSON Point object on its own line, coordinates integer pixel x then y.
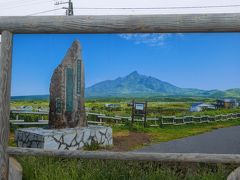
{"type": "Point", "coordinates": [139, 109]}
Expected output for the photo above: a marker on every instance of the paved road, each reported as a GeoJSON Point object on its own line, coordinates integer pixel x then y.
{"type": "Point", "coordinates": [221, 141]}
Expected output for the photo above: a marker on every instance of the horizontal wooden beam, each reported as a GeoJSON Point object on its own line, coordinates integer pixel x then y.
{"type": "Point", "coordinates": [173, 23]}
{"type": "Point", "coordinates": [130, 156]}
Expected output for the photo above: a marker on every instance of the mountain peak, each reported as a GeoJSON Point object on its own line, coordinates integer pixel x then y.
{"type": "Point", "coordinates": [136, 85]}
{"type": "Point", "coordinates": [132, 84]}
{"type": "Point", "coordinates": [134, 74]}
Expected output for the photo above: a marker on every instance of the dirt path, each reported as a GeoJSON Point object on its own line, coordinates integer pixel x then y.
{"type": "Point", "coordinates": [129, 141]}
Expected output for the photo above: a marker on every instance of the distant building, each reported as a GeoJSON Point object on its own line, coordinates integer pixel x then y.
{"type": "Point", "coordinates": [24, 108]}
{"type": "Point", "coordinates": [197, 107]}
{"type": "Point", "coordinates": [112, 105]}
{"type": "Point", "coordinates": [227, 103]}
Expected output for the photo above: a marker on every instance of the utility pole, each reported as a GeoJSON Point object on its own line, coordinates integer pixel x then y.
{"type": "Point", "coordinates": [69, 9]}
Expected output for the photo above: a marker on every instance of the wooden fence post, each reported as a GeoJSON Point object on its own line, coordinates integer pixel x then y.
{"type": "Point", "coordinates": [145, 115]}
{"type": "Point", "coordinates": [5, 86]}
{"type": "Point", "coordinates": [161, 122]}
{"type": "Point", "coordinates": [133, 111]}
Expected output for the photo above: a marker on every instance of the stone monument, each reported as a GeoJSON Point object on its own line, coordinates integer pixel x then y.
{"type": "Point", "coordinates": [67, 91]}
{"type": "Point", "coordinates": [68, 129]}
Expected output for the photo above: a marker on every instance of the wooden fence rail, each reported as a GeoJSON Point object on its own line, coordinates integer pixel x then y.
{"type": "Point", "coordinates": [172, 120]}
{"type": "Point", "coordinates": [163, 120]}
{"type": "Point", "coordinates": [130, 156]}
{"type": "Point", "coordinates": [167, 120]}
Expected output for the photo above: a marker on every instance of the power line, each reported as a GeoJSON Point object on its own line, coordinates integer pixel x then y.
{"type": "Point", "coordinates": [14, 1]}
{"type": "Point", "coordinates": [180, 7]}
{"type": "Point", "coordinates": [69, 9]}
{"type": "Point", "coordinates": [137, 8]}
{"type": "Point", "coordinates": [44, 11]}
{"type": "Point", "coordinates": [25, 4]}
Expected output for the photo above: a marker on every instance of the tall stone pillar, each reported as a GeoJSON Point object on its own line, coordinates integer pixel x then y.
{"type": "Point", "coordinates": [67, 88]}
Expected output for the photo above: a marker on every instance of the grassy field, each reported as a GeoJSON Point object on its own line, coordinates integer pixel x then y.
{"type": "Point", "coordinates": [155, 109]}
{"type": "Point", "coordinates": [34, 103]}
{"type": "Point", "coordinates": [166, 107]}
{"type": "Point", "coordinates": [130, 137]}
{"type": "Point", "coordinates": [43, 168]}
{"type": "Point", "coordinates": [166, 133]}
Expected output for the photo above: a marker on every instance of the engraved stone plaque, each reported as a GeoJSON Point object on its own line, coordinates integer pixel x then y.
{"type": "Point", "coordinates": [79, 68]}
{"type": "Point", "coordinates": [69, 89]}
{"type": "Point", "coordinates": [58, 105]}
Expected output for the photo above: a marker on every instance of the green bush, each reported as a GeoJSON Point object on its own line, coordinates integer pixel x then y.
{"type": "Point", "coordinates": [93, 146]}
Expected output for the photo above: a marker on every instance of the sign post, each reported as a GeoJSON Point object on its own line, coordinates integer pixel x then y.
{"type": "Point", "coordinates": [139, 109]}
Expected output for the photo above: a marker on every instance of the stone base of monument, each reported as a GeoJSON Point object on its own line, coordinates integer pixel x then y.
{"type": "Point", "coordinates": [63, 139]}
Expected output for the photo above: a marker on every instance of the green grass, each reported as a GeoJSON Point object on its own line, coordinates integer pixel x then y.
{"type": "Point", "coordinates": [167, 107]}
{"type": "Point", "coordinates": [172, 132]}
{"type": "Point", "coordinates": [166, 133]}
{"type": "Point", "coordinates": [34, 103]}
{"type": "Point", "coordinates": [44, 168]}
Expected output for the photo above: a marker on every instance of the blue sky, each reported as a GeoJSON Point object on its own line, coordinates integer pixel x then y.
{"type": "Point", "coordinates": [204, 61]}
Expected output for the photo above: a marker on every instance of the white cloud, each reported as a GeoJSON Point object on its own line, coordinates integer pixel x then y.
{"type": "Point", "coordinates": [153, 39]}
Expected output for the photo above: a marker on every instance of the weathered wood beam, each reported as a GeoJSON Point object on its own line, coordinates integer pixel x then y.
{"type": "Point", "coordinates": [175, 23]}
{"type": "Point", "coordinates": [5, 86]}
{"type": "Point", "coordinates": [15, 170]}
{"type": "Point", "coordinates": [130, 156]}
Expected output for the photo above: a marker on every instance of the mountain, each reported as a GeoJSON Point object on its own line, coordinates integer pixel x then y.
{"type": "Point", "coordinates": [137, 85]}
{"type": "Point", "coordinates": [233, 92]}
{"type": "Point", "coordinates": [133, 83]}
